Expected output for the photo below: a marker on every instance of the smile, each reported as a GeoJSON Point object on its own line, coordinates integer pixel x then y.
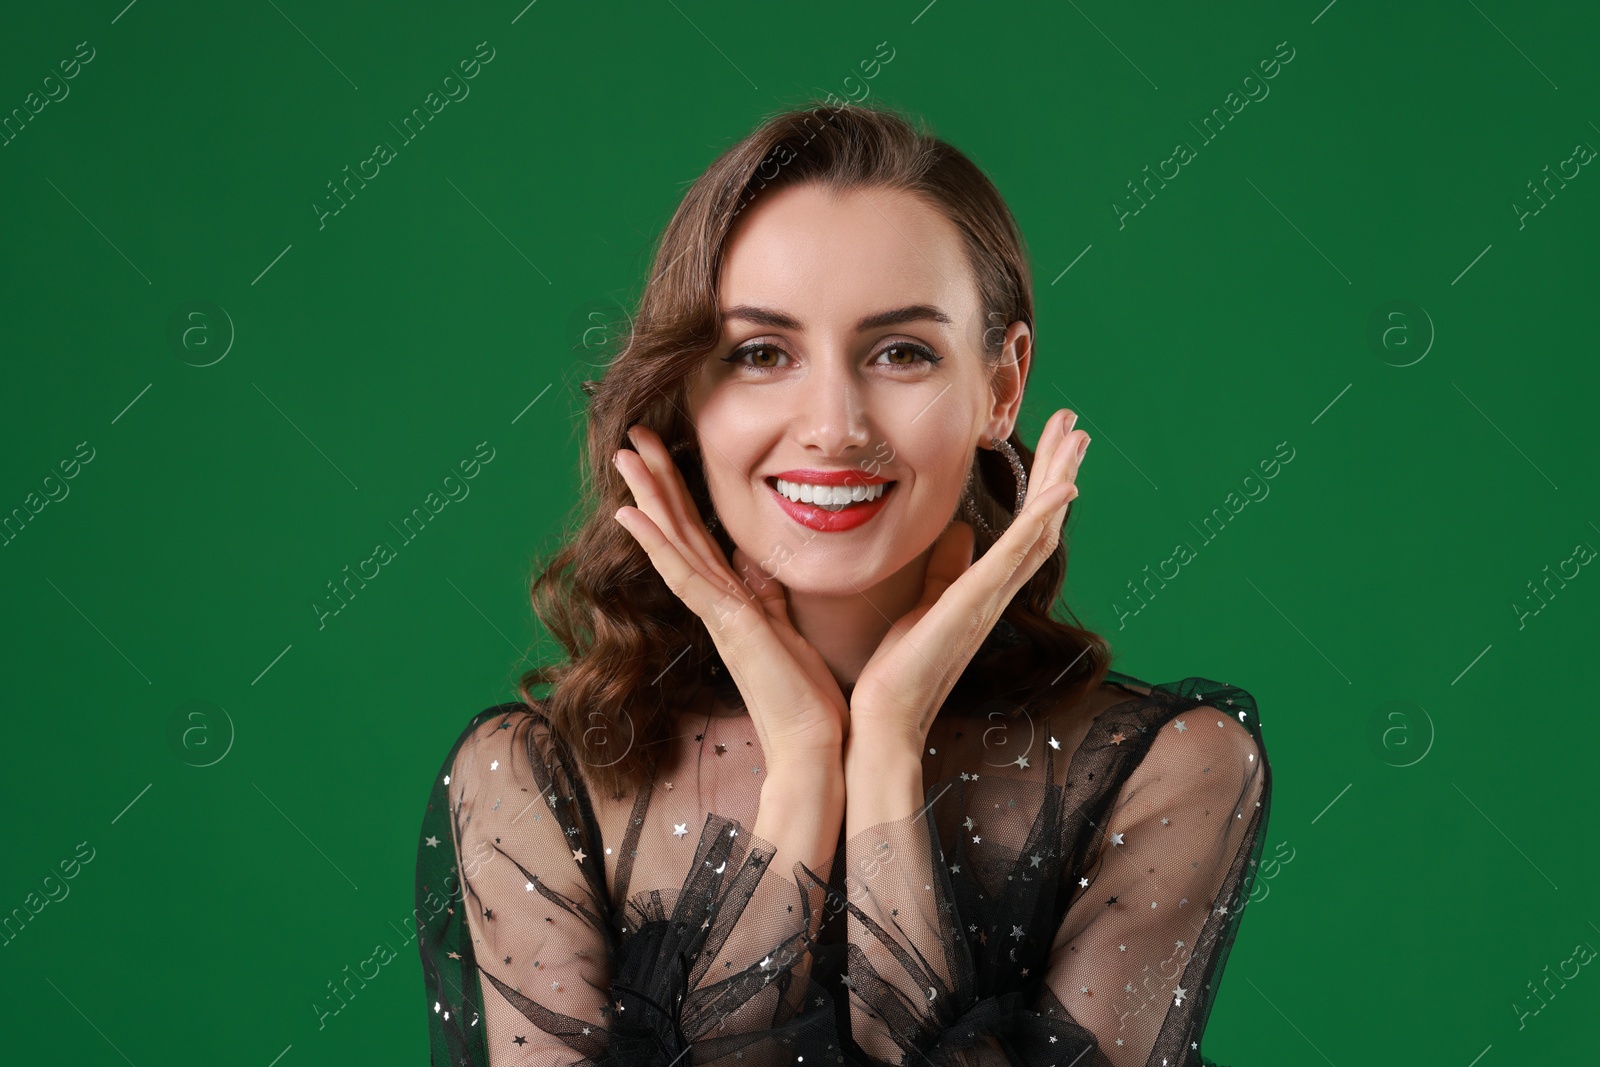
{"type": "Point", "coordinates": [830, 509]}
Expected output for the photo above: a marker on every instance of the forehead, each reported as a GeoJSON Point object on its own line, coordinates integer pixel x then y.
{"type": "Point", "coordinates": [828, 257]}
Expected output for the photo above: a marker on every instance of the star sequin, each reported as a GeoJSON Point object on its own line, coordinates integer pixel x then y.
{"type": "Point", "coordinates": [1022, 761]}
{"type": "Point", "coordinates": [578, 855]}
{"type": "Point", "coordinates": [1118, 737]}
{"type": "Point", "coordinates": [433, 842]}
{"type": "Point", "coordinates": [495, 766]}
{"type": "Point", "coordinates": [1055, 744]}
{"type": "Point", "coordinates": [679, 829]}
{"type": "Point", "coordinates": [1179, 726]}
{"type": "Point", "coordinates": [1116, 839]}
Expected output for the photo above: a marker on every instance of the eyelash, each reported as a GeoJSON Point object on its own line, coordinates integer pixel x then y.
{"type": "Point", "coordinates": [923, 354]}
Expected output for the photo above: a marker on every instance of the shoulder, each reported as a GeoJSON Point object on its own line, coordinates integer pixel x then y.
{"type": "Point", "coordinates": [513, 738]}
{"type": "Point", "coordinates": [1227, 708]}
{"type": "Point", "coordinates": [1196, 736]}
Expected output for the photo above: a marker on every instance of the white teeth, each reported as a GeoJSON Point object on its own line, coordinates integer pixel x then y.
{"type": "Point", "coordinates": [830, 496]}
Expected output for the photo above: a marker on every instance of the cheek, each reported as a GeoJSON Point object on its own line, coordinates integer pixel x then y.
{"type": "Point", "coordinates": [942, 468]}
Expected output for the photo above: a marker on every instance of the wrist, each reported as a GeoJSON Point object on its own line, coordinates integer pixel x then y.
{"type": "Point", "coordinates": [881, 786]}
{"type": "Point", "coordinates": [867, 750]}
{"type": "Point", "coordinates": [802, 776]}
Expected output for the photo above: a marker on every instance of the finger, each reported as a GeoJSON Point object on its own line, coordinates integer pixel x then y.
{"type": "Point", "coordinates": [713, 600]}
{"type": "Point", "coordinates": [1061, 467]}
{"type": "Point", "coordinates": [651, 502]}
{"type": "Point", "coordinates": [984, 589]}
{"type": "Point", "coordinates": [1057, 429]}
{"type": "Point", "coordinates": [675, 494]}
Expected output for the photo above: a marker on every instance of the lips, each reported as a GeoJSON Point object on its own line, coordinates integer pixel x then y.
{"type": "Point", "coordinates": [821, 519]}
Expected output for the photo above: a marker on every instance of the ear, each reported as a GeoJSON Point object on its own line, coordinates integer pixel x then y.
{"type": "Point", "coordinates": [1009, 380]}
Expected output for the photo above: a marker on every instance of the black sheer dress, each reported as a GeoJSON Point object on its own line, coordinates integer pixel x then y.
{"type": "Point", "coordinates": [1068, 896]}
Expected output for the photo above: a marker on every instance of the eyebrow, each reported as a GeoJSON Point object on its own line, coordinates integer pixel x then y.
{"type": "Point", "coordinates": [778, 320]}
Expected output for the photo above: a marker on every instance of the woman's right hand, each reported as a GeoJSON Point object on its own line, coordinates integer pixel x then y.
{"type": "Point", "coordinates": [799, 712]}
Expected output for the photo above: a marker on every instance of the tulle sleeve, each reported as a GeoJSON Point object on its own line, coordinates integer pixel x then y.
{"type": "Point", "coordinates": [1042, 915]}
{"type": "Point", "coordinates": [527, 959]}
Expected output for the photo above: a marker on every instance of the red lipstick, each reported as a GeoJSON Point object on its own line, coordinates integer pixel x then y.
{"type": "Point", "coordinates": [821, 519]}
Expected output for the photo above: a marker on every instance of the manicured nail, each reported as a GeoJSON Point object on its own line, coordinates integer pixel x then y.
{"type": "Point", "coordinates": [1084, 447]}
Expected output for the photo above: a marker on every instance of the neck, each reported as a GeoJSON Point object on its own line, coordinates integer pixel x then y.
{"type": "Point", "coordinates": [846, 630]}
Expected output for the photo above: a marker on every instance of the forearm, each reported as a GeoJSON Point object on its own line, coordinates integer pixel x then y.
{"type": "Point", "coordinates": [801, 814]}
{"type": "Point", "coordinates": [802, 810]}
{"type": "Point", "coordinates": [883, 782]}
{"type": "Point", "coordinates": [890, 883]}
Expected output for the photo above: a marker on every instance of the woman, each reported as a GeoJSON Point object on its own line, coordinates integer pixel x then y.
{"type": "Point", "coordinates": [823, 781]}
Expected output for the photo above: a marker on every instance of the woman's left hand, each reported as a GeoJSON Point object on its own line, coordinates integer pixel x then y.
{"type": "Point", "coordinates": [904, 684]}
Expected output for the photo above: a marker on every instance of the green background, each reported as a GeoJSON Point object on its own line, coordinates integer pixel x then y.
{"type": "Point", "coordinates": [1431, 751]}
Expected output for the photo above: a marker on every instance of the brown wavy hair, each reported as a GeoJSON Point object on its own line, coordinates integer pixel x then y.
{"type": "Point", "coordinates": [625, 632]}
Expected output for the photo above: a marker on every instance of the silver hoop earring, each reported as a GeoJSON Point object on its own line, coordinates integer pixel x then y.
{"type": "Point", "coordinates": [1017, 469]}
{"type": "Point", "coordinates": [969, 507]}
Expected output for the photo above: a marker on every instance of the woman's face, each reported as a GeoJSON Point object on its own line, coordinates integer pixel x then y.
{"type": "Point", "coordinates": [835, 307]}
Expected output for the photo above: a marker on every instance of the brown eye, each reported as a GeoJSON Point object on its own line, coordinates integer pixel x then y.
{"type": "Point", "coordinates": [915, 352]}
{"type": "Point", "coordinates": [738, 357]}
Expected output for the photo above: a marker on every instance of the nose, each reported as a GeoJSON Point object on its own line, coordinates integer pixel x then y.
{"type": "Point", "coordinates": [830, 417]}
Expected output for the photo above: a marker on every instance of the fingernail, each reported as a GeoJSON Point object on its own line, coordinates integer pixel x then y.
{"type": "Point", "coordinates": [1084, 447]}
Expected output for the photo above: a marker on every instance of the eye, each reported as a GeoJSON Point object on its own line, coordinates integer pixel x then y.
{"type": "Point", "coordinates": [917, 352]}
{"type": "Point", "coordinates": [738, 355]}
